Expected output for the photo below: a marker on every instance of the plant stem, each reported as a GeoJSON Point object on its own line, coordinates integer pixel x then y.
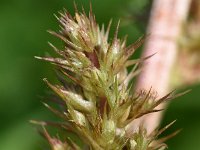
{"type": "Point", "coordinates": [165, 24]}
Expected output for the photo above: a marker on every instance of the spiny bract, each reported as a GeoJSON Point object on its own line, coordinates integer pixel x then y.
{"type": "Point", "coordinates": [99, 103]}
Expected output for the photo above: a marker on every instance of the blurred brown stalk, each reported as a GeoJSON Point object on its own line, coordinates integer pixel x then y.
{"type": "Point", "coordinates": [166, 20]}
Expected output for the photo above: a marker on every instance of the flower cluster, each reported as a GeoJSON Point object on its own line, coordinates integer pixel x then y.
{"type": "Point", "coordinates": [96, 91]}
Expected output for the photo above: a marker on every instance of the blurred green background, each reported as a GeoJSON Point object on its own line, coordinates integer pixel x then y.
{"type": "Point", "coordinates": [23, 25]}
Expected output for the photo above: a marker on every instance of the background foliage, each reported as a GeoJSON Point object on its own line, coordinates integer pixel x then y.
{"type": "Point", "coordinates": [22, 36]}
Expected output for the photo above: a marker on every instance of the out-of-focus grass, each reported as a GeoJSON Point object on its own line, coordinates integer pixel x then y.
{"type": "Point", "coordinates": [23, 25]}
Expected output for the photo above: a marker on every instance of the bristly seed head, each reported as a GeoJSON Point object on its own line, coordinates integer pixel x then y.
{"type": "Point", "coordinates": [98, 104]}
